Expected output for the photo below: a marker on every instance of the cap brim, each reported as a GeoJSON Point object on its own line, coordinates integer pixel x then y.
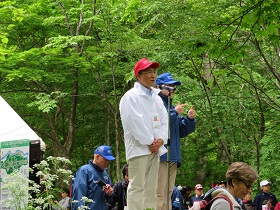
{"type": "Point", "coordinates": [155, 65]}
{"type": "Point", "coordinates": [109, 157]}
{"type": "Point", "coordinates": [173, 82]}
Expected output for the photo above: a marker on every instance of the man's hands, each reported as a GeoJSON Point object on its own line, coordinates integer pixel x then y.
{"type": "Point", "coordinates": [191, 113]}
{"type": "Point", "coordinates": [108, 190]}
{"type": "Point", "coordinates": [154, 147]}
{"type": "Point", "coordinates": [180, 109]}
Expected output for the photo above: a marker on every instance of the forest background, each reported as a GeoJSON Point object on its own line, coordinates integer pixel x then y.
{"type": "Point", "coordinates": [64, 65]}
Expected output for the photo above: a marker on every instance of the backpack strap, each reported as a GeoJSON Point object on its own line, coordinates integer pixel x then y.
{"type": "Point", "coordinates": [219, 196]}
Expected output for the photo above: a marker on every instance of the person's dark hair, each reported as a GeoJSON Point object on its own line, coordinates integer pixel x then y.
{"type": "Point", "coordinates": [222, 182]}
{"type": "Point", "coordinates": [241, 171]}
{"type": "Point", "coordinates": [124, 169]}
{"type": "Point", "coordinates": [65, 190]}
{"type": "Point", "coordinates": [186, 188]}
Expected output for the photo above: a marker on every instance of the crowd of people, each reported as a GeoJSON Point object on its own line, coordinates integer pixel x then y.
{"type": "Point", "coordinates": [242, 198]}
{"type": "Point", "coordinates": [152, 128]}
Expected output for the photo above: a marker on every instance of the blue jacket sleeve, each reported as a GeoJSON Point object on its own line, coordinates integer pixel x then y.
{"type": "Point", "coordinates": [187, 126]}
{"type": "Point", "coordinates": [257, 202]}
{"type": "Point", "coordinates": [79, 188]}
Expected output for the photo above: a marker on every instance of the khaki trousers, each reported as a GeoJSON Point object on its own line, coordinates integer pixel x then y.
{"type": "Point", "coordinates": [162, 185]}
{"type": "Point", "coordinates": [142, 187]}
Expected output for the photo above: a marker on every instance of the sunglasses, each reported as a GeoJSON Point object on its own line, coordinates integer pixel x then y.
{"type": "Point", "coordinates": [248, 186]}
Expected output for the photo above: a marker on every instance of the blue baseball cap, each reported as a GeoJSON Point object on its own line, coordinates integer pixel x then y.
{"type": "Point", "coordinates": [167, 79]}
{"type": "Point", "coordinates": [105, 151]}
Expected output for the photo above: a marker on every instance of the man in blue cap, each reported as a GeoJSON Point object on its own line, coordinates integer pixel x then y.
{"type": "Point", "coordinates": [180, 127]}
{"type": "Point", "coordinates": [89, 179]}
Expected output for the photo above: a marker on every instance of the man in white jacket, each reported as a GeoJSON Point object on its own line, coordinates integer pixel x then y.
{"type": "Point", "coordinates": [144, 119]}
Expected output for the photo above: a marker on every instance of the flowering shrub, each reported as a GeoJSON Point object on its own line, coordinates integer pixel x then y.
{"type": "Point", "coordinates": [25, 194]}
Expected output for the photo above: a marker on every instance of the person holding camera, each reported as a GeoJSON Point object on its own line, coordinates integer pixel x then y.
{"type": "Point", "coordinates": [180, 126]}
{"type": "Point", "coordinates": [93, 182]}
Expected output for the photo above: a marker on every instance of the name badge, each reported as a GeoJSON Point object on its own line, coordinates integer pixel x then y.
{"type": "Point", "coordinates": [156, 122]}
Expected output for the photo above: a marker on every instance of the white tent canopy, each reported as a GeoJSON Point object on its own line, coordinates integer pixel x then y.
{"type": "Point", "coordinates": [13, 127]}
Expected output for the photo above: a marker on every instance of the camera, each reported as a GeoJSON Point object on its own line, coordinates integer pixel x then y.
{"type": "Point", "coordinates": [101, 183]}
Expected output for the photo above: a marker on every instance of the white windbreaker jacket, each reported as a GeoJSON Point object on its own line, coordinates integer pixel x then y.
{"type": "Point", "coordinates": [139, 109]}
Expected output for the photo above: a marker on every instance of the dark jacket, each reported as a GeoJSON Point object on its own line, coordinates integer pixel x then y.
{"type": "Point", "coordinates": [195, 199]}
{"type": "Point", "coordinates": [247, 205]}
{"type": "Point", "coordinates": [119, 196]}
{"type": "Point", "coordinates": [263, 198]}
{"type": "Point", "coordinates": [179, 127]}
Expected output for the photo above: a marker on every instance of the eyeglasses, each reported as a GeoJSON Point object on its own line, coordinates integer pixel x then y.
{"type": "Point", "coordinates": [147, 72]}
{"type": "Point", "coordinates": [248, 186]}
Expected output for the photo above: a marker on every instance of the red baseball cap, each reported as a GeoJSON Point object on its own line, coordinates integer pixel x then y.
{"type": "Point", "coordinates": [143, 64]}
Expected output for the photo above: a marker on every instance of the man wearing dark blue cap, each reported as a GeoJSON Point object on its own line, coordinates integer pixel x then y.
{"type": "Point", "coordinates": [89, 178]}
{"type": "Point", "coordinates": [180, 127]}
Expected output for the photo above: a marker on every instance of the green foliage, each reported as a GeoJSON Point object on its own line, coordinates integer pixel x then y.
{"type": "Point", "coordinates": [46, 102]}
{"type": "Point", "coordinates": [64, 66]}
{"type": "Point", "coordinates": [131, 10]}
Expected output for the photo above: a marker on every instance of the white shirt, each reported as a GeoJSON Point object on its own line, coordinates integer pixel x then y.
{"type": "Point", "coordinates": [138, 109]}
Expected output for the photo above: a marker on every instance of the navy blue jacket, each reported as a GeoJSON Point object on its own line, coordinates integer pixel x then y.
{"type": "Point", "coordinates": [85, 184]}
{"type": "Point", "coordinates": [263, 198]}
{"type": "Point", "coordinates": [195, 199]}
{"type": "Point", "coordinates": [179, 127]}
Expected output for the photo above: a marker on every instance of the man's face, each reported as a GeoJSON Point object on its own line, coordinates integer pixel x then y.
{"type": "Point", "coordinates": [166, 92]}
{"type": "Point", "coordinates": [199, 192]}
{"type": "Point", "coordinates": [147, 77]}
{"type": "Point", "coordinates": [64, 194]}
{"type": "Point", "coordinates": [126, 178]}
{"type": "Point", "coordinates": [266, 188]}
{"type": "Point", "coordinates": [101, 161]}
